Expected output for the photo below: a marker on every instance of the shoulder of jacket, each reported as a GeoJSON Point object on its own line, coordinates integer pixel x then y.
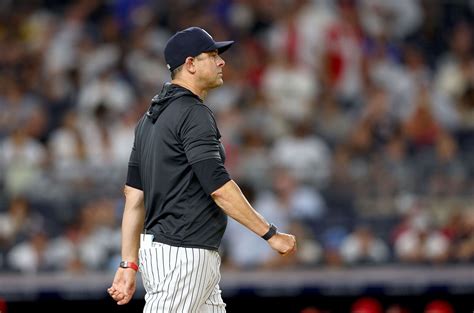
{"type": "Point", "coordinates": [194, 105]}
{"type": "Point", "coordinates": [191, 110]}
{"type": "Point", "coordinates": [187, 101]}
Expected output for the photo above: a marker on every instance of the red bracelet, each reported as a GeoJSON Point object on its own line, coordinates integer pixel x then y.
{"type": "Point", "coordinates": [127, 264]}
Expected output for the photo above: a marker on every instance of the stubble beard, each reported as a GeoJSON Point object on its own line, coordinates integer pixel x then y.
{"type": "Point", "coordinates": [219, 81]}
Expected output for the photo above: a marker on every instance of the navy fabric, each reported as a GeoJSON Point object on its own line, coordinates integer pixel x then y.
{"type": "Point", "coordinates": [173, 136]}
{"type": "Point", "coordinates": [191, 42]}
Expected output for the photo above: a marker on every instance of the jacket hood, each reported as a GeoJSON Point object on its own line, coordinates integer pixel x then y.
{"type": "Point", "coordinates": [169, 92]}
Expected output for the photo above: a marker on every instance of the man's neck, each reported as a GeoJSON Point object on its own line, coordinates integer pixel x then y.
{"type": "Point", "coordinates": [201, 93]}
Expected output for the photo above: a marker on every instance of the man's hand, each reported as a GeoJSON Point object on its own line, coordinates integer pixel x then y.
{"type": "Point", "coordinates": [123, 286]}
{"type": "Point", "coordinates": [285, 244]}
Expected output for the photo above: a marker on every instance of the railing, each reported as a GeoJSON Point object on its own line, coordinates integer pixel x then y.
{"type": "Point", "coordinates": [388, 280]}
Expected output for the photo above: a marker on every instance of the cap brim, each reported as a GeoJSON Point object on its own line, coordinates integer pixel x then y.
{"type": "Point", "coordinates": [222, 46]}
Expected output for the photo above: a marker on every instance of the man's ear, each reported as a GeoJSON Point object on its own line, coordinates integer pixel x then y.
{"type": "Point", "coordinates": [189, 65]}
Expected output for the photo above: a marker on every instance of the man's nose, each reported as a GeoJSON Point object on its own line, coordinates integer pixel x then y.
{"type": "Point", "coordinates": [220, 61]}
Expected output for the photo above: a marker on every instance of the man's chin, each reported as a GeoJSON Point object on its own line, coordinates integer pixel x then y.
{"type": "Point", "coordinates": [219, 82]}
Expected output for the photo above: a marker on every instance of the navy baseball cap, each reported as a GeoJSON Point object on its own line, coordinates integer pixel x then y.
{"type": "Point", "coordinates": [191, 42]}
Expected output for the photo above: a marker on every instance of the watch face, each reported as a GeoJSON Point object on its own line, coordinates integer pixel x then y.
{"type": "Point", "coordinates": [126, 264]}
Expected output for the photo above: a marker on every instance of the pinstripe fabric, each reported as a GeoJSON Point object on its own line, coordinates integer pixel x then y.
{"type": "Point", "coordinates": [178, 279]}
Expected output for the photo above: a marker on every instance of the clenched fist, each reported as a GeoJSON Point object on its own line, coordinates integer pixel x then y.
{"type": "Point", "coordinates": [285, 244]}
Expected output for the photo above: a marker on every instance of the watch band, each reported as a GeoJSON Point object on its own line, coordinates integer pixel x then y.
{"type": "Point", "coordinates": [127, 264]}
{"type": "Point", "coordinates": [270, 233]}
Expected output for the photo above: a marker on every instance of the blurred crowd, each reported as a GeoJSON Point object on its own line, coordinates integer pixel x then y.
{"type": "Point", "coordinates": [349, 123]}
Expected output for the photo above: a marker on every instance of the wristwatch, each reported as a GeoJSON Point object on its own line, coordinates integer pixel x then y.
{"type": "Point", "coordinates": [127, 264]}
{"type": "Point", "coordinates": [270, 233]}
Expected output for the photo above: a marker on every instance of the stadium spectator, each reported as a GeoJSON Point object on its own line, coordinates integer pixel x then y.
{"type": "Point", "coordinates": [305, 154]}
{"type": "Point", "coordinates": [363, 247]}
{"type": "Point", "coordinates": [22, 159]}
{"type": "Point", "coordinates": [420, 241]}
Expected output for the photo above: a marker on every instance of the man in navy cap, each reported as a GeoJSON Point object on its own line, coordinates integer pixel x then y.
{"type": "Point", "coordinates": [178, 192]}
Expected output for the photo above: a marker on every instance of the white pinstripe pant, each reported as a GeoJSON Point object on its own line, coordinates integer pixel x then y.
{"type": "Point", "coordinates": [180, 280]}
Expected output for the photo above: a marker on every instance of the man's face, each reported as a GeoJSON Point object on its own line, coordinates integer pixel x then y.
{"type": "Point", "coordinates": [209, 69]}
